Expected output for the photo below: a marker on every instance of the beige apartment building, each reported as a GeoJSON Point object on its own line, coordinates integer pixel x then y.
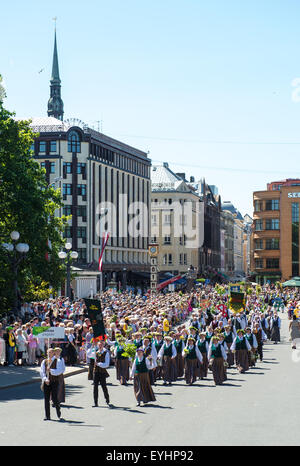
{"type": "Point", "coordinates": [177, 223]}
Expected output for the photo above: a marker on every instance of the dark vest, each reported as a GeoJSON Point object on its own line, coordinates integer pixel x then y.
{"type": "Point", "coordinates": [168, 351]}
{"type": "Point", "coordinates": [191, 354]}
{"type": "Point", "coordinates": [141, 367]}
{"type": "Point", "coordinates": [202, 346]}
{"type": "Point", "coordinates": [240, 344]}
{"type": "Point", "coordinates": [216, 351]}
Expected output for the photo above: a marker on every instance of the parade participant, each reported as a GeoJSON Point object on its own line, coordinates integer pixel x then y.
{"type": "Point", "coordinates": [138, 341]}
{"type": "Point", "coordinates": [260, 338]}
{"type": "Point", "coordinates": [179, 362]}
{"type": "Point", "coordinates": [191, 355]}
{"type": "Point", "coordinates": [228, 334]}
{"type": "Point", "coordinates": [61, 390]}
{"type": "Point", "coordinates": [141, 380]}
{"type": "Point", "coordinates": [166, 354]}
{"type": "Point", "coordinates": [150, 350]}
{"type": "Point", "coordinates": [217, 357]}
{"type": "Point", "coordinates": [158, 342]}
{"type": "Point", "coordinates": [90, 356]}
{"type": "Point", "coordinates": [294, 329]}
{"type": "Point", "coordinates": [50, 370]}
{"type": "Point", "coordinates": [253, 343]}
{"type": "Point", "coordinates": [100, 373]}
{"type": "Point", "coordinates": [275, 324]}
{"type": "Point", "coordinates": [121, 362]}
{"type": "Point", "coordinates": [240, 347]}
{"type": "Point", "coordinates": [203, 346]}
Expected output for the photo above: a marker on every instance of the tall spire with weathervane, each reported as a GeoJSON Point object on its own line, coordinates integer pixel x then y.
{"type": "Point", "coordinates": [55, 103]}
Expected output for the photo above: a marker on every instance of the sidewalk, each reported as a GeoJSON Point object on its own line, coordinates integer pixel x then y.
{"type": "Point", "coordinates": [15, 376]}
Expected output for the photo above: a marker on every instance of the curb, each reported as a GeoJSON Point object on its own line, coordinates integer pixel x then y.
{"type": "Point", "coordinates": [38, 379]}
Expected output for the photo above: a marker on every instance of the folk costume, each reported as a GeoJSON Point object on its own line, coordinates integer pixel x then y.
{"type": "Point", "coordinates": [158, 342]}
{"type": "Point", "coordinates": [166, 354]}
{"type": "Point", "coordinates": [253, 343]}
{"type": "Point", "coordinates": [275, 324]}
{"type": "Point", "coordinates": [141, 381]}
{"type": "Point", "coordinates": [203, 346]}
{"type": "Point", "coordinates": [51, 369]}
{"type": "Point", "coordinates": [100, 374]}
{"type": "Point", "coordinates": [179, 362]}
{"type": "Point", "coordinates": [229, 337]}
{"type": "Point", "coordinates": [217, 357]}
{"type": "Point", "coordinates": [192, 356]}
{"type": "Point", "coordinates": [150, 352]}
{"type": "Point", "coordinates": [240, 347]}
{"type": "Point", "coordinates": [121, 363]}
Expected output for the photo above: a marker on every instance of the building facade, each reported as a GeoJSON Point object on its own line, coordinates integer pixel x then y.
{"type": "Point", "coordinates": [105, 186]}
{"type": "Point", "coordinates": [275, 251]}
{"type": "Point", "coordinates": [176, 221]}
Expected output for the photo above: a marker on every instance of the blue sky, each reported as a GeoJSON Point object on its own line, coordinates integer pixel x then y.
{"type": "Point", "coordinates": [203, 85]}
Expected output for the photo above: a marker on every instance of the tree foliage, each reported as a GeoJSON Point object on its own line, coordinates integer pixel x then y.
{"type": "Point", "coordinates": [28, 205]}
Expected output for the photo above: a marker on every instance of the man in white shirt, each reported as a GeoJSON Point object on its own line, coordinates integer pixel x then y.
{"type": "Point", "coordinates": [51, 369]}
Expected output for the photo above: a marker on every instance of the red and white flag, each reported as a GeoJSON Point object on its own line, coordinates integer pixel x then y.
{"type": "Point", "coordinates": [105, 238]}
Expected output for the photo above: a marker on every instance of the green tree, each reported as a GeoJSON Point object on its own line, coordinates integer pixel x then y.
{"type": "Point", "coordinates": [28, 205]}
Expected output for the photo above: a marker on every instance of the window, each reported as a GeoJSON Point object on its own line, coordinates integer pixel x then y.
{"type": "Point", "coordinates": [154, 220]}
{"type": "Point", "coordinates": [183, 259]}
{"type": "Point", "coordinates": [272, 204]}
{"type": "Point", "coordinates": [182, 240]}
{"type": "Point", "coordinates": [81, 212]}
{"type": "Point", "coordinates": [258, 225]}
{"type": "Point", "coordinates": [257, 206]}
{"type": "Point", "coordinates": [67, 210]}
{"type": "Point", "coordinates": [81, 169]}
{"type": "Point", "coordinates": [52, 146]}
{"type": "Point", "coordinates": [81, 233]}
{"type": "Point", "coordinates": [258, 244]}
{"type": "Point", "coordinates": [67, 168]}
{"type": "Point", "coordinates": [42, 146]}
{"type": "Point", "coordinates": [74, 142]}
{"type": "Point", "coordinates": [168, 259]}
{"type": "Point", "coordinates": [167, 240]}
{"type": "Point", "coordinates": [272, 243]}
{"type": "Point", "coordinates": [67, 189]}
{"type": "Point", "coordinates": [52, 167]}
{"type": "Point", "coordinates": [167, 219]}
{"type": "Point", "coordinates": [81, 254]}
{"type": "Point", "coordinates": [81, 190]}
{"type": "Point", "coordinates": [272, 224]}
{"type": "Point", "coordinates": [68, 232]}
{"type": "Point", "coordinates": [259, 264]}
{"type": "Point", "coordinates": [272, 264]}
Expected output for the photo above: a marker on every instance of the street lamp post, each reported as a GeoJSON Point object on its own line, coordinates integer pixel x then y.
{"type": "Point", "coordinates": [16, 253]}
{"type": "Point", "coordinates": [68, 256]}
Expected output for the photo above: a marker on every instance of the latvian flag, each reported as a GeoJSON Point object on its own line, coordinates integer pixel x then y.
{"type": "Point", "coordinates": [105, 238]}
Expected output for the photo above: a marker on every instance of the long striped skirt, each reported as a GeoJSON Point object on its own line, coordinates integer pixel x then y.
{"type": "Point", "coordinates": [122, 369]}
{"type": "Point", "coordinates": [203, 368]}
{"type": "Point", "coordinates": [242, 360]}
{"type": "Point", "coordinates": [190, 370]}
{"type": "Point", "coordinates": [142, 388]}
{"type": "Point", "coordinates": [217, 367]}
{"type": "Point", "coordinates": [168, 372]}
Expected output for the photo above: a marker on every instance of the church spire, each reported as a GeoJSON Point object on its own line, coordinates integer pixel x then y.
{"type": "Point", "coordinates": [55, 103]}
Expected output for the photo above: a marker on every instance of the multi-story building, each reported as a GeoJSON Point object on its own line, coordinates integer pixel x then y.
{"type": "Point", "coordinates": [275, 251]}
{"type": "Point", "coordinates": [228, 225]}
{"type": "Point", "coordinates": [96, 172]}
{"type": "Point", "coordinates": [176, 221]}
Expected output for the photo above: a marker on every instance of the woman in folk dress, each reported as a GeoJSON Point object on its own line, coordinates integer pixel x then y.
{"type": "Point", "coordinates": [141, 380]}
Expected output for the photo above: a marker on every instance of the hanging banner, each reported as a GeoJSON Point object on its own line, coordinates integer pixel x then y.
{"type": "Point", "coordinates": [96, 318]}
{"type": "Point", "coordinates": [237, 302]}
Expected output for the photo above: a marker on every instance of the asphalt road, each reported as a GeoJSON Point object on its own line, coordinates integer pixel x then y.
{"type": "Point", "coordinates": [261, 407]}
